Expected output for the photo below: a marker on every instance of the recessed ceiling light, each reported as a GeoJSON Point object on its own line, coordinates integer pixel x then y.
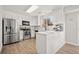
{"type": "Point", "coordinates": [31, 9]}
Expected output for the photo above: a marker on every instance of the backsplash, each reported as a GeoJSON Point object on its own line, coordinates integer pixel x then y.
{"type": "Point", "coordinates": [58, 27]}
{"type": "Point", "coordinates": [52, 26]}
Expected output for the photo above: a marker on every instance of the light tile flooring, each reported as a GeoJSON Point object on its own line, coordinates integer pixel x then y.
{"type": "Point", "coordinates": [29, 47]}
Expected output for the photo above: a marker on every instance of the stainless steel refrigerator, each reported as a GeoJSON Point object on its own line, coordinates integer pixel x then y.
{"type": "Point", "coordinates": [9, 31]}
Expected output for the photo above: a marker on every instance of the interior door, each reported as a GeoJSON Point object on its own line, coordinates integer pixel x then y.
{"type": "Point", "coordinates": [71, 28]}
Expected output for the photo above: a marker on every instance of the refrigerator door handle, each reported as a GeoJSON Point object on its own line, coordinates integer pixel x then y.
{"type": "Point", "coordinates": [6, 28]}
{"type": "Point", "coordinates": [10, 28]}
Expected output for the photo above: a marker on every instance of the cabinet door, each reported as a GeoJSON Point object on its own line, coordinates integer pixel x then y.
{"type": "Point", "coordinates": [21, 35]}
{"type": "Point", "coordinates": [32, 32]}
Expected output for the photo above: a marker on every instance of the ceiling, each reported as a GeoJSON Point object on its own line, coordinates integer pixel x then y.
{"type": "Point", "coordinates": [43, 9]}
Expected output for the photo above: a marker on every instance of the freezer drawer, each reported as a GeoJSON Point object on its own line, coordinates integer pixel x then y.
{"type": "Point", "coordinates": [7, 39]}
{"type": "Point", "coordinates": [10, 38]}
{"type": "Point", "coordinates": [14, 38]}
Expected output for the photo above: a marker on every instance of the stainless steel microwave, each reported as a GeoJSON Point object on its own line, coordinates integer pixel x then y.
{"type": "Point", "coordinates": [27, 23]}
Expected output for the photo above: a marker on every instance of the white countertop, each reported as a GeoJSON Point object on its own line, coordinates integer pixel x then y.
{"type": "Point", "coordinates": [46, 32]}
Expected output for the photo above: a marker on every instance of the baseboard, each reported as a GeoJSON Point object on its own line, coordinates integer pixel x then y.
{"type": "Point", "coordinates": [60, 46]}
{"type": "Point", "coordinates": [32, 37]}
{"type": "Point", "coordinates": [73, 43]}
{"type": "Point", "coordinates": [11, 43]}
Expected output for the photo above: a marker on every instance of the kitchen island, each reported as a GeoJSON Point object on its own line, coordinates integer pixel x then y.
{"type": "Point", "coordinates": [49, 42]}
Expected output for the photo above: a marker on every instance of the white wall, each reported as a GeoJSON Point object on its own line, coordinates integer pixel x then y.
{"type": "Point", "coordinates": [71, 8]}
{"type": "Point", "coordinates": [0, 29]}
{"type": "Point", "coordinates": [58, 15]}
{"type": "Point", "coordinates": [78, 27]}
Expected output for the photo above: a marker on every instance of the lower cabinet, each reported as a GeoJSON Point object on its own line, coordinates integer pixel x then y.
{"type": "Point", "coordinates": [32, 32]}
{"type": "Point", "coordinates": [21, 35]}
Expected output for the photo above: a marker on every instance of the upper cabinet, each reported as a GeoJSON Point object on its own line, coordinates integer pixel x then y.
{"type": "Point", "coordinates": [33, 21]}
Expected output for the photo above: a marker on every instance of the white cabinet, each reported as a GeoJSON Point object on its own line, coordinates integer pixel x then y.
{"type": "Point", "coordinates": [32, 32]}
{"type": "Point", "coordinates": [21, 35]}
{"type": "Point", "coordinates": [39, 20]}
{"type": "Point", "coordinates": [33, 21]}
{"type": "Point", "coordinates": [49, 42]}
